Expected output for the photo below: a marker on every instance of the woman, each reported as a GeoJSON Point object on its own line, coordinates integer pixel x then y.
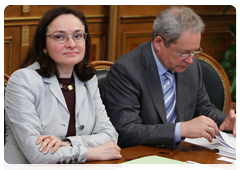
{"type": "Point", "coordinates": [54, 112]}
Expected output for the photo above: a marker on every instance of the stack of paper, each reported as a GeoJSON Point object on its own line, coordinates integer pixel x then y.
{"type": "Point", "coordinates": [228, 144]}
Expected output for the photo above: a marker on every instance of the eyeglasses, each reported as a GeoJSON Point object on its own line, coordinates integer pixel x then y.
{"type": "Point", "coordinates": [183, 56]}
{"type": "Point", "coordinates": [63, 38]}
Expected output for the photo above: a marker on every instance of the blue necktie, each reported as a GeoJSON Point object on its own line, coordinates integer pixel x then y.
{"type": "Point", "coordinates": [169, 97]}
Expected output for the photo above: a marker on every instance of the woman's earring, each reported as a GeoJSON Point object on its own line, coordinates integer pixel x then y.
{"type": "Point", "coordinates": [45, 52]}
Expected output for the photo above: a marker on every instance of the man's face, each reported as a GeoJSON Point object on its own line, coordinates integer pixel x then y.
{"type": "Point", "coordinates": [188, 43]}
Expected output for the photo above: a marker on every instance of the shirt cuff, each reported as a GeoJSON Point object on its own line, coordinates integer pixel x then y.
{"type": "Point", "coordinates": [177, 135]}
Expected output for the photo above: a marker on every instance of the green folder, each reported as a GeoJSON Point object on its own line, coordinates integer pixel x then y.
{"type": "Point", "coordinates": [158, 162]}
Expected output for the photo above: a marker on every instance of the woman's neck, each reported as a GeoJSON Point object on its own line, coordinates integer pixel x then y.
{"type": "Point", "coordinates": [65, 72]}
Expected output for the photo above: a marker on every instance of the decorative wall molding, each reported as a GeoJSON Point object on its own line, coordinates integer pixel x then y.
{"type": "Point", "coordinates": [26, 8]}
{"type": "Point", "coordinates": [14, 21]}
{"type": "Point", "coordinates": [127, 35]}
{"type": "Point", "coordinates": [25, 36]}
{"type": "Point", "coordinates": [98, 46]}
{"type": "Point", "coordinates": [7, 54]}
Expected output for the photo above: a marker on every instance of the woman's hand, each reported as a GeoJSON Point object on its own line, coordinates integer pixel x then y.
{"type": "Point", "coordinates": [107, 151]}
{"type": "Point", "coordinates": [50, 141]}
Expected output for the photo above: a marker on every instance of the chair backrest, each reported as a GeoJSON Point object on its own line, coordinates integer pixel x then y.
{"type": "Point", "coordinates": [216, 82]}
{"type": "Point", "coordinates": [6, 77]}
{"type": "Point", "coordinates": [102, 68]}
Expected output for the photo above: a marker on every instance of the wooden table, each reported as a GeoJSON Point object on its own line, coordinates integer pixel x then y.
{"type": "Point", "coordinates": [185, 152]}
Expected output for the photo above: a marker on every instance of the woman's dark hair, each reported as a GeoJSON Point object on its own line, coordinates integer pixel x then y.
{"type": "Point", "coordinates": [84, 70]}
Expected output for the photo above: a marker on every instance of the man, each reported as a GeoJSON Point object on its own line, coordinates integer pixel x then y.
{"type": "Point", "coordinates": [154, 94]}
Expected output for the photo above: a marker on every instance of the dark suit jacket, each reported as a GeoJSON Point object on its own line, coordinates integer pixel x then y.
{"type": "Point", "coordinates": [134, 99]}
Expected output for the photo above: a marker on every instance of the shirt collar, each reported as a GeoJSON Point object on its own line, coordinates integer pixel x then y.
{"type": "Point", "coordinates": [161, 68]}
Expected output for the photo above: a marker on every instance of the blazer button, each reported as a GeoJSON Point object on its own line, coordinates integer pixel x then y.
{"type": "Point", "coordinates": [76, 160]}
{"type": "Point", "coordinates": [64, 162]}
{"type": "Point", "coordinates": [81, 127]}
{"type": "Point", "coordinates": [71, 161]}
{"type": "Point", "coordinates": [58, 162]}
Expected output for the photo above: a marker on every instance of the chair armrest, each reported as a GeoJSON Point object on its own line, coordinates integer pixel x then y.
{"type": "Point", "coordinates": [233, 106]}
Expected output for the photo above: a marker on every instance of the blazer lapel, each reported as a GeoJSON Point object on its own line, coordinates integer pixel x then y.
{"type": "Point", "coordinates": [80, 93]}
{"type": "Point", "coordinates": [55, 89]}
{"type": "Point", "coordinates": [181, 94]}
{"type": "Point", "coordinates": [153, 81]}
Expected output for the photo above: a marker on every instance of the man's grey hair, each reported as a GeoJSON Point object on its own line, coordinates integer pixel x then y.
{"type": "Point", "coordinates": [172, 22]}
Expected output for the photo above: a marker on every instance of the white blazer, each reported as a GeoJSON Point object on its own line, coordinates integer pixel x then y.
{"type": "Point", "coordinates": [35, 106]}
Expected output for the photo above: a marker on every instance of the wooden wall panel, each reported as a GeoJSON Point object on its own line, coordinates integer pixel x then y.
{"type": "Point", "coordinates": [7, 54]}
{"type": "Point", "coordinates": [134, 10]}
{"type": "Point", "coordinates": [216, 25]}
{"type": "Point", "coordinates": [40, 10]}
{"type": "Point", "coordinates": [115, 30]}
{"type": "Point", "coordinates": [12, 11]}
{"type": "Point", "coordinates": [137, 32]}
{"type": "Point", "coordinates": [15, 46]}
{"type": "Point", "coordinates": [132, 40]}
{"type": "Point", "coordinates": [98, 50]}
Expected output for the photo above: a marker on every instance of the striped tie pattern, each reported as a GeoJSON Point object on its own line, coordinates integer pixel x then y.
{"type": "Point", "coordinates": [169, 97]}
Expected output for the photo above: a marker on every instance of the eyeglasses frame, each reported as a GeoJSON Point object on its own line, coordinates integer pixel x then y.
{"type": "Point", "coordinates": [182, 56]}
{"type": "Point", "coordinates": [85, 37]}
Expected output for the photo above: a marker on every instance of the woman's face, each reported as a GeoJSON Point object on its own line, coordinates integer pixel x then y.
{"type": "Point", "coordinates": [69, 53]}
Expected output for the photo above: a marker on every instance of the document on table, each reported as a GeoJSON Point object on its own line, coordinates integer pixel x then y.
{"type": "Point", "coordinates": [203, 142]}
{"type": "Point", "coordinates": [227, 159]}
{"type": "Point", "coordinates": [228, 144]}
{"type": "Point", "coordinates": [224, 142]}
{"type": "Point", "coordinates": [157, 162]}
{"type": "Point", "coordinates": [191, 162]}
{"type": "Point", "coordinates": [226, 152]}
{"type": "Point", "coordinates": [227, 140]}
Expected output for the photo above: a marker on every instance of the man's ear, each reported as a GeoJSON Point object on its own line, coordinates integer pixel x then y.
{"type": "Point", "coordinates": [158, 43]}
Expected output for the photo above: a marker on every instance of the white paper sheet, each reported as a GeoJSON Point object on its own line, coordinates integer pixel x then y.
{"type": "Point", "coordinates": [196, 163]}
{"type": "Point", "coordinates": [224, 151]}
{"type": "Point", "coordinates": [226, 139]}
{"type": "Point", "coordinates": [203, 142]}
{"type": "Point", "coordinates": [228, 144]}
{"type": "Point", "coordinates": [227, 159]}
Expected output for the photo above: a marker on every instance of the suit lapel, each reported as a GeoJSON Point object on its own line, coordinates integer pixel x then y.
{"type": "Point", "coordinates": [181, 94]}
{"type": "Point", "coordinates": [80, 91]}
{"type": "Point", "coordinates": [55, 89]}
{"type": "Point", "coordinates": [153, 81]}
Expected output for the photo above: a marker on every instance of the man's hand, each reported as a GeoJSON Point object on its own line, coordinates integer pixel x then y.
{"type": "Point", "coordinates": [107, 151]}
{"type": "Point", "coordinates": [201, 126]}
{"type": "Point", "coordinates": [229, 124]}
